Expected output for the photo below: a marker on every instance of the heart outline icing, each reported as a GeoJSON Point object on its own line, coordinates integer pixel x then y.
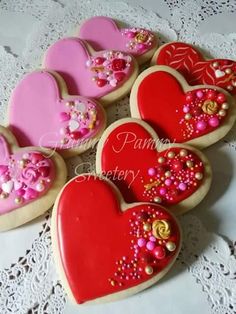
{"type": "Point", "coordinates": [148, 260]}
{"type": "Point", "coordinates": [195, 68]}
{"type": "Point", "coordinates": [28, 177]}
{"type": "Point", "coordinates": [41, 113]}
{"type": "Point", "coordinates": [94, 74]}
{"type": "Point", "coordinates": [136, 41]}
{"type": "Point", "coordinates": [147, 169]}
{"type": "Point", "coordinates": [199, 115]}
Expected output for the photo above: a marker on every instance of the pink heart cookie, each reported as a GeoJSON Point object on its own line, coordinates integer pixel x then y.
{"type": "Point", "coordinates": [30, 179]}
{"type": "Point", "coordinates": [104, 33]}
{"type": "Point", "coordinates": [43, 114]}
{"type": "Point", "coordinates": [104, 75]}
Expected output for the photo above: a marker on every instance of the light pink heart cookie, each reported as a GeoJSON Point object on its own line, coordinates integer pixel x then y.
{"type": "Point", "coordinates": [30, 179]}
{"type": "Point", "coordinates": [104, 75]}
{"type": "Point", "coordinates": [41, 113]}
{"type": "Point", "coordinates": [104, 33]}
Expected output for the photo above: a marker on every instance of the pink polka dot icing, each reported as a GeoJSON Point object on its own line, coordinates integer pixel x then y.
{"type": "Point", "coordinates": [24, 176]}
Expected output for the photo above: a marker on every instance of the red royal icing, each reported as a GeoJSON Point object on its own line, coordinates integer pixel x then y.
{"type": "Point", "coordinates": [129, 157]}
{"type": "Point", "coordinates": [196, 70]}
{"type": "Point", "coordinates": [177, 115]}
{"type": "Point", "coordinates": [104, 250]}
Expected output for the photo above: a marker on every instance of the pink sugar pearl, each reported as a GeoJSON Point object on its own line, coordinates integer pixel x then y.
{"type": "Point", "coordinates": [214, 122]}
{"type": "Point", "coordinates": [152, 171]}
{"type": "Point", "coordinates": [150, 245]}
{"type": "Point", "coordinates": [153, 239]}
{"type": "Point", "coordinates": [64, 116]}
{"type": "Point", "coordinates": [130, 34]}
{"type": "Point", "coordinates": [162, 191]}
{"type": "Point", "coordinates": [141, 242]}
{"type": "Point", "coordinates": [168, 182]}
{"type": "Point", "coordinates": [201, 125]}
{"type": "Point", "coordinates": [186, 109]}
{"type": "Point", "coordinates": [182, 186]}
{"type": "Point", "coordinates": [199, 94]}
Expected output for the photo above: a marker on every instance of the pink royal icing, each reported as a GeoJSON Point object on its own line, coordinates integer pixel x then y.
{"type": "Point", "coordinates": [24, 176]}
{"type": "Point", "coordinates": [40, 117]}
{"type": "Point", "coordinates": [103, 33]}
{"type": "Point", "coordinates": [89, 75]}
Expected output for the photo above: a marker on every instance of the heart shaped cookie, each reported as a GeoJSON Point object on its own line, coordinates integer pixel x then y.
{"type": "Point", "coordinates": [103, 33]}
{"type": "Point", "coordinates": [148, 169]}
{"type": "Point", "coordinates": [195, 68]}
{"type": "Point", "coordinates": [104, 75]}
{"type": "Point", "coordinates": [30, 179]}
{"type": "Point", "coordinates": [199, 115]}
{"type": "Point", "coordinates": [41, 113]}
{"type": "Point", "coordinates": [105, 249]}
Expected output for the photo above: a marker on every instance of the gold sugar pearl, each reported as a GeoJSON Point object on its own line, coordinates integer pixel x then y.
{"type": "Point", "coordinates": [199, 176]}
{"type": "Point", "coordinates": [222, 113]}
{"type": "Point", "coordinates": [22, 163]}
{"type": "Point", "coordinates": [18, 200]}
{"type": "Point", "coordinates": [234, 83]}
{"type": "Point", "coordinates": [4, 195]}
{"type": "Point", "coordinates": [228, 71]}
{"type": "Point", "coordinates": [167, 174]}
{"type": "Point", "coordinates": [157, 199]}
{"type": "Point", "coordinates": [170, 246]}
{"type": "Point", "coordinates": [225, 106]}
{"type": "Point", "coordinates": [171, 154]}
{"type": "Point", "coordinates": [229, 87]}
{"type": "Point", "coordinates": [147, 227]}
{"type": "Point", "coordinates": [161, 160]}
{"type": "Point", "coordinates": [188, 116]}
{"type": "Point", "coordinates": [183, 153]}
{"type": "Point", "coordinates": [149, 270]}
{"type": "Point", "coordinates": [63, 141]}
{"type": "Point", "coordinates": [70, 104]}
{"type": "Point", "coordinates": [113, 283]}
{"type": "Point", "coordinates": [189, 163]}
{"type": "Point", "coordinates": [215, 64]}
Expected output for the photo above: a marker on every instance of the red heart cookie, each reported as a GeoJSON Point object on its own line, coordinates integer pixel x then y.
{"type": "Point", "coordinates": [199, 115]}
{"type": "Point", "coordinates": [41, 113]}
{"type": "Point", "coordinates": [30, 179]}
{"type": "Point", "coordinates": [103, 33]}
{"type": "Point", "coordinates": [195, 68]}
{"type": "Point", "coordinates": [145, 169]}
{"type": "Point", "coordinates": [106, 249]}
{"type": "Point", "coordinates": [104, 75]}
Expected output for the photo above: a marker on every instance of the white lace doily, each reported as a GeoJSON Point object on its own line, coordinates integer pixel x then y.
{"type": "Point", "coordinates": [29, 283]}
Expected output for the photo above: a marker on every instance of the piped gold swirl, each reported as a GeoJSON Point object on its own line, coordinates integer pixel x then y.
{"type": "Point", "coordinates": [210, 107]}
{"type": "Point", "coordinates": [161, 229]}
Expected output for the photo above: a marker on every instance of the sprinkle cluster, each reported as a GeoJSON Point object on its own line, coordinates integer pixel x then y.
{"type": "Point", "coordinates": [203, 111]}
{"type": "Point", "coordinates": [152, 241]}
{"type": "Point", "coordinates": [225, 70]}
{"type": "Point", "coordinates": [26, 177]}
{"type": "Point", "coordinates": [177, 173]}
{"type": "Point", "coordinates": [109, 69]}
{"type": "Point", "coordinates": [78, 120]}
{"type": "Point", "coordinates": [140, 40]}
